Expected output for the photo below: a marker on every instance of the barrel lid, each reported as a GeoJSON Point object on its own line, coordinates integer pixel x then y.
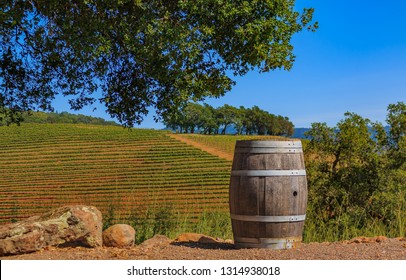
{"type": "Point", "coordinates": [268, 144]}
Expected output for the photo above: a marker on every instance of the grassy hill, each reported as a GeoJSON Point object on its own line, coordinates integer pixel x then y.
{"type": "Point", "coordinates": [127, 174]}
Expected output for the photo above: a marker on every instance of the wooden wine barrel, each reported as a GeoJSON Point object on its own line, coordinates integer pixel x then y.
{"type": "Point", "coordinates": [268, 194]}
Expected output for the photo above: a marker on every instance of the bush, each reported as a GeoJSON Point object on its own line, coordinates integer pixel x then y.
{"type": "Point", "coordinates": [357, 178]}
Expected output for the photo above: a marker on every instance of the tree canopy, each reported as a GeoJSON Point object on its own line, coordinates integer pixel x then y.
{"type": "Point", "coordinates": [138, 54]}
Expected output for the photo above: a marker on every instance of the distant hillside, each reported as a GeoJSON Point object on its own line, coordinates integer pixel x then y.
{"type": "Point", "coordinates": [65, 117]}
{"type": "Point", "coordinates": [300, 132]}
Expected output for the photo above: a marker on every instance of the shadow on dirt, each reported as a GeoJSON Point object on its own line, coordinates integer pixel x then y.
{"type": "Point", "coordinates": [211, 246]}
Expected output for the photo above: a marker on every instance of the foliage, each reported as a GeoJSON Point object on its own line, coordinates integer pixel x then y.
{"type": "Point", "coordinates": [208, 120]}
{"type": "Point", "coordinates": [357, 175]}
{"type": "Point", "coordinates": [149, 221]}
{"type": "Point", "coordinates": [162, 219]}
{"type": "Point", "coordinates": [63, 117]}
{"type": "Point", "coordinates": [214, 223]}
{"type": "Point", "coordinates": [138, 53]}
{"type": "Point", "coordinates": [109, 217]}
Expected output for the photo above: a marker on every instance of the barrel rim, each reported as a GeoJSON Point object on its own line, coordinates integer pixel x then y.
{"type": "Point", "coordinates": [268, 172]}
{"type": "Point", "coordinates": [269, 243]}
{"type": "Point", "coordinates": [268, 144]}
{"type": "Point", "coordinates": [268, 150]}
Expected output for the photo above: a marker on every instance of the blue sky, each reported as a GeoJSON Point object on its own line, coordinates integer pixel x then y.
{"type": "Point", "coordinates": [355, 61]}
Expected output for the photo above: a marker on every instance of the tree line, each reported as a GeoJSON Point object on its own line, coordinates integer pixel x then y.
{"type": "Point", "coordinates": [197, 118]}
{"type": "Point", "coordinates": [63, 117]}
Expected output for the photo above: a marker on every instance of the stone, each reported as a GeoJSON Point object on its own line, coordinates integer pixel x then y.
{"type": "Point", "coordinates": [363, 239]}
{"type": "Point", "coordinates": [196, 237]}
{"type": "Point", "coordinates": [381, 238]}
{"type": "Point", "coordinates": [68, 226]}
{"type": "Point", "coordinates": [157, 240]}
{"type": "Point", "coordinates": [119, 235]}
{"type": "Point", "coordinates": [359, 239]}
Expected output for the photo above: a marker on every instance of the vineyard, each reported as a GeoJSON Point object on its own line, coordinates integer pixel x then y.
{"type": "Point", "coordinates": [166, 183]}
{"type": "Point", "coordinates": [43, 166]}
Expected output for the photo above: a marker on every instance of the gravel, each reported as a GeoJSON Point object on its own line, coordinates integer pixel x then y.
{"type": "Point", "coordinates": [162, 248]}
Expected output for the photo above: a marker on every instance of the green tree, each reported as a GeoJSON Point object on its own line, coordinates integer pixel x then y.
{"type": "Point", "coordinates": [140, 54]}
{"type": "Point", "coordinates": [346, 156]}
{"type": "Point", "coordinates": [226, 116]}
{"type": "Point", "coordinates": [397, 122]}
{"type": "Point", "coordinates": [209, 123]}
{"type": "Point", "coordinates": [175, 122]}
{"type": "Point", "coordinates": [193, 113]}
{"type": "Point", "coordinates": [260, 119]}
{"type": "Point", "coordinates": [274, 126]}
{"type": "Point", "coordinates": [239, 119]}
{"type": "Point", "coordinates": [285, 125]}
{"type": "Point", "coordinates": [397, 135]}
{"type": "Point", "coordinates": [249, 121]}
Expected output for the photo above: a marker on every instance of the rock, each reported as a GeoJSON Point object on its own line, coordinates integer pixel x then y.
{"type": "Point", "coordinates": [119, 235]}
{"type": "Point", "coordinates": [359, 239]}
{"type": "Point", "coordinates": [157, 240]}
{"type": "Point", "coordinates": [380, 239]}
{"type": "Point", "coordinates": [66, 226]}
{"type": "Point", "coordinates": [363, 239]}
{"type": "Point", "coordinates": [196, 237]}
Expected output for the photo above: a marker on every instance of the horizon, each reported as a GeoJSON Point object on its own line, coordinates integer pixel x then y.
{"type": "Point", "coordinates": [354, 62]}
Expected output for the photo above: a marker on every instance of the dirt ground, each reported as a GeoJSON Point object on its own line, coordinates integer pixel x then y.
{"type": "Point", "coordinates": [162, 248]}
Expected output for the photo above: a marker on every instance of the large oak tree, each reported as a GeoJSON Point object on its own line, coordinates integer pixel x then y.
{"type": "Point", "coordinates": [138, 54]}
